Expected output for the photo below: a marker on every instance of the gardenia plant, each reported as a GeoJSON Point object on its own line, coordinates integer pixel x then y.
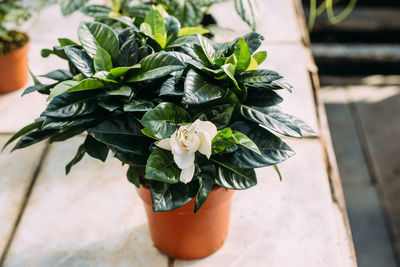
{"type": "Point", "coordinates": [186, 114]}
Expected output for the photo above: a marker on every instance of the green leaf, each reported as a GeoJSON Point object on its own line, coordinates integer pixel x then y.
{"type": "Point", "coordinates": [70, 6]}
{"type": "Point", "coordinates": [102, 60]}
{"type": "Point", "coordinates": [243, 55]}
{"type": "Point", "coordinates": [273, 149]}
{"type": "Point", "coordinates": [183, 40]}
{"type": "Point", "coordinates": [33, 137]}
{"type": "Point", "coordinates": [192, 30]}
{"type": "Point", "coordinates": [162, 120]}
{"type": "Point", "coordinates": [245, 9]}
{"type": "Point", "coordinates": [157, 65]}
{"type": "Point", "coordinates": [74, 86]}
{"type": "Point", "coordinates": [122, 91]}
{"type": "Point", "coordinates": [166, 197]}
{"type": "Point", "coordinates": [66, 42]}
{"type": "Point", "coordinates": [244, 140]}
{"type": "Point", "coordinates": [189, 13]}
{"type": "Point", "coordinates": [70, 105]}
{"type": "Point", "coordinates": [95, 34]}
{"type": "Point", "coordinates": [138, 105]}
{"type": "Point", "coordinates": [260, 57]}
{"type": "Point", "coordinates": [206, 183]}
{"type": "Point", "coordinates": [220, 115]}
{"type": "Point", "coordinates": [120, 71]}
{"type": "Point", "coordinates": [161, 167]}
{"type": "Point", "coordinates": [172, 26]}
{"type": "Point", "coordinates": [237, 179]}
{"type": "Point", "coordinates": [207, 49]}
{"type": "Point", "coordinates": [271, 120]}
{"type": "Point", "coordinates": [79, 155]}
{"type": "Point", "coordinates": [39, 88]}
{"type": "Point", "coordinates": [169, 88]}
{"type": "Point", "coordinates": [134, 173]}
{"type": "Point", "coordinates": [223, 140]}
{"type": "Point", "coordinates": [58, 75]}
{"type": "Point", "coordinates": [278, 172]}
{"type": "Point", "coordinates": [156, 22]}
{"type": "Point", "coordinates": [96, 11]}
{"type": "Point", "coordinates": [229, 70]}
{"type": "Point", "coordinates": [105, 76]}
{"type": "Point", "coordinates": [259, 97]}
{"type": "Point", "coordinates": [129, 53]}
{"type": "Point", "coordinates": [199, 89]}
{"type": "Point", "coordinates": [80, 60]}
{"type": "Point", "coordinates": [59, 124]}
{"type": "Point", "coordinates": [123, 133]}
{"type": "Point", "coordinates": [264, 79]}
{"type": "Point", "coordinates": [30, 127]}
{"type": "Point", "coordinates": [146, 132]}
{"type": "Point", "coordinates": [95, 148]}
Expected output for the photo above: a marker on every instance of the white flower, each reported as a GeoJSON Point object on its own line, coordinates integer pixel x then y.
{"type": "Point", "coordinates": [185, 141]}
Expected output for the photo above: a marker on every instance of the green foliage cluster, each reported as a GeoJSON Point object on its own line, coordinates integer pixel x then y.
{"type": "Point", "coordinates": [190, 13]}
{"type": "Point", "coordinates": [128, 90]}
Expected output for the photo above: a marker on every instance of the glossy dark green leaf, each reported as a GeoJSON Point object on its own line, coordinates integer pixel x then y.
{"type": "Point", "coordinates": [271, 120]}
{"type": "Point", "coordinates": [273, 149]}
{"type": "Point", "coordinates": [208, 49]}
{"type": "Point", "coordinates": [33, 137]}
{"type": "Point", "coordinates": [162, 120]}
{"type": "Point", "coordinates": [156, 66]}
{"type": "Point", "coordinates": [129, 54]}
{"type": "Point", "coordinates": [96, 11]}
{"type": "Point", "coordinates": [80, 60]}
{"type": "Point", "coordinates": [230, 70]}
{"type": "Point", "coordinates": [237, 179]}
{"type": "Point", "coordinates": [110, 103]}
{"type": "Point", "coordinates": [161, 167]}
{"type": "Point", "coordinates": [134, 173]}
{"type": "Point", "coordinates": [106, 77]}
{"type": "Point", "coordinates": [189, 13]}
{"type": "Point", "coordinates": [102, 60]}
{"type": "Point", "coordinates": [206, 183]}
{"type": "Point", "coordinates": [95, 148]}
{"type": "Point", "coordinates": [78, 157]}
{"type": "Point", "coordinates": [183, 40]}
{"type": "Point", "coordinates": [169, 88]}
{"type": "Point", "coordinates": [137, 10]}
{"type": "Point", "coordinates": [166, 197]}
{"type": "Point", "coordinates": [70, 105]}
{"type": "Point", "coordinates": [200, 90]}
{"type": "Point", "coordinates": [95, 34]}
{"type": "Point", "coordinates": [120, 71]}
{"type": "Point", "coordinates": [30, 127]}
{"type": "Point", "coordinates": [122, 125]}
{"type": "Point", "coordinates": [70, 6]}
{"type": "Point", "coordinates": [131, 159]}
{"type": "Point", "coordinates": [66, 42]}
{"type": "Point", "coordinates": [58, 75]}
{"type": "Point", "coordinates": [220, 115]}
{"type": "Point", "coordinates": [66, 133]}
{"type": "Point", "coordinates": [172, 26]}
{"type": "Point", "coordinates": [138, 105]}
{"type": "Point", "coordinates": [260, 97]}
{"type": "Point", "coordinates": [245, 141]}
{"type": "Point", "coordinates": [74, 86]}
{"type": "Point", "coordinates": [267, 79]}
{"type": "Point", "coordinates": [39, 88]}
{"type": "Point", "coordinates": [58, 124]}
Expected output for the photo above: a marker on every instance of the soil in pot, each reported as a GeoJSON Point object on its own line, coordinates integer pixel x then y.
{"type": "Point", "coordinates": [181, 234]}
{"type": "Point", "coordinates": [13, 61]}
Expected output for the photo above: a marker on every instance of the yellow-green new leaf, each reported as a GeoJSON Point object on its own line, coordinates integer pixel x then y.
{"type": "Point", "coordinates": [192, 30]}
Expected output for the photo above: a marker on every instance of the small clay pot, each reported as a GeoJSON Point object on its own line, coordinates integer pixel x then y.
{"type": "Point", "coordinates": [181, 234]}
{"type": "Point", "coordinates": [14, 70]}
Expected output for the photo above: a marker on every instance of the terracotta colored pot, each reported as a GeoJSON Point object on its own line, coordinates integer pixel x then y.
{"type": "Point", "coordinates": [181, 234]}
{"type": "Point", "coordinates": [14, 70]}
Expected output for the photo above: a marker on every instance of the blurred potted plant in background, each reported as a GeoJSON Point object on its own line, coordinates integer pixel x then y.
{"type": "Point", "coordinates": [190, 13]}
{"type": "Point", "coordinates": [191, 118]}
{"type": "Point", "coordinates": [14, 44]}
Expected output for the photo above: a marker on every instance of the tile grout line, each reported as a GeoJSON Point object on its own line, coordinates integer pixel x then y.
{"type": "Point", "coordinates": [24, 204]}
{"type": "Point", "coordinates": [372, 171]}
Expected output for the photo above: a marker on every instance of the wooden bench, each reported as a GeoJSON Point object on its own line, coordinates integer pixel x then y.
{"type": "Point", "coordinates": [93, 216]}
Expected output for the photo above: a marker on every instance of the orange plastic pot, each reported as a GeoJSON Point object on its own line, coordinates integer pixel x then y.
{"type": "Point", "coordinates": [181, 234]}
{"type": "Point", "coordinates": [14, 70]}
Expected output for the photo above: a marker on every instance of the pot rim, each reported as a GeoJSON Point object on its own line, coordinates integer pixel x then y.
{"type": "Point", "coordinates": [19, 49]}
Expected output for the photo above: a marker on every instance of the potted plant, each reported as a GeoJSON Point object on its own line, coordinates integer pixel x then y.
{"type": "Point", "coordinates": [190, 117]}
{"type": "Point", "coordinates": [190, 13]}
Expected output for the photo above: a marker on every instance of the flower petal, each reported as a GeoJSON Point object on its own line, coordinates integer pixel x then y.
{"type": "Point", "coordinates": [206, 126]}
{"type": "Point", "coordinates": [184, 160]}
{"type": "Point", "coordinates": [176, 148]}
{"type": "Point", "coordinates": [164, 144]}
{"type": "Point", "coordinates": [205, 143]}
{"type": "Point", "coordinates": [187, 174]}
